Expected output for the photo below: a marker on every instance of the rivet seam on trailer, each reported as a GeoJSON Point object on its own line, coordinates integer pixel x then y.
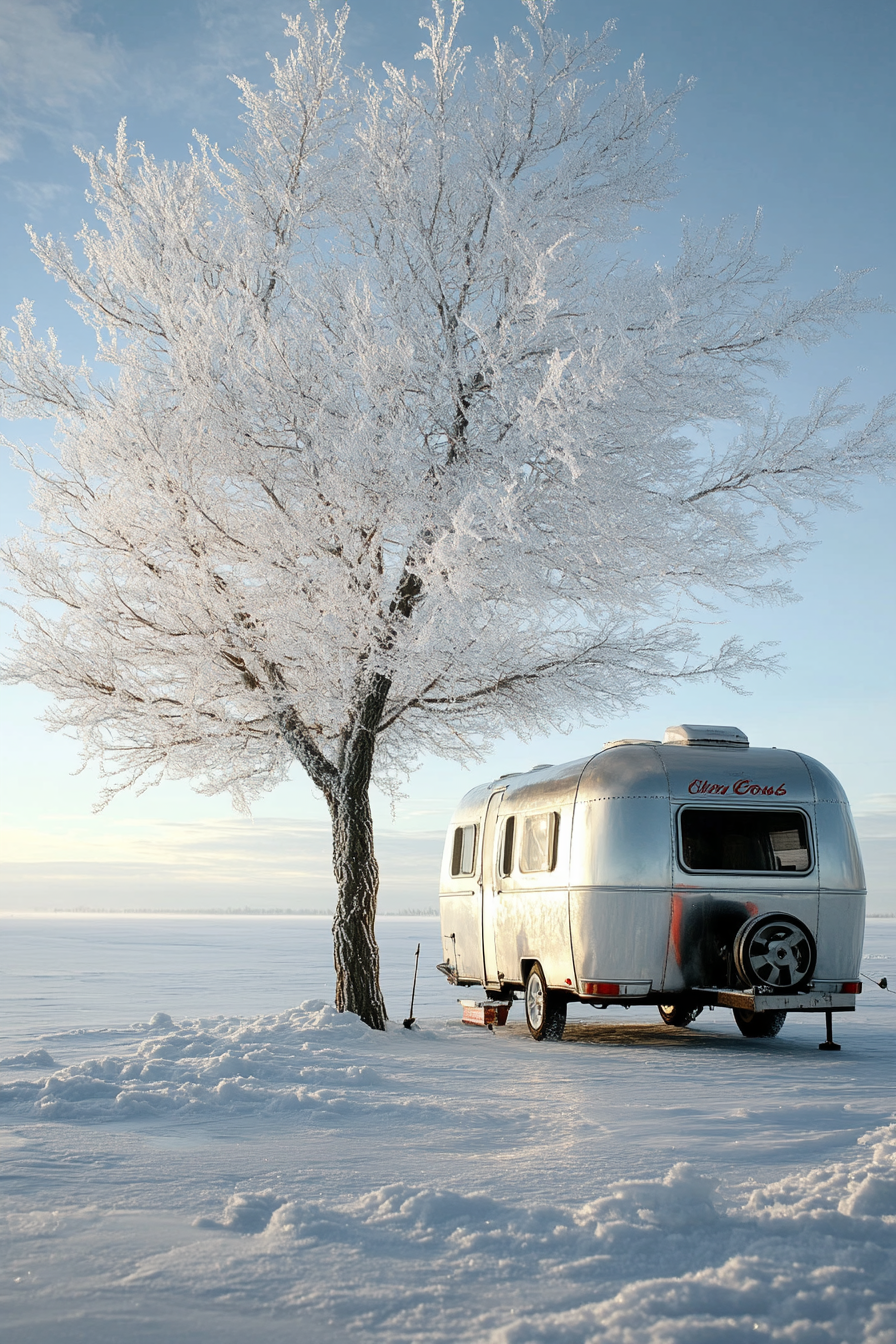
{"type": "Point", "coordinates": [615, 797]}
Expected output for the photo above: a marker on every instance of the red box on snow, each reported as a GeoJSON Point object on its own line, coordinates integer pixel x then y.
{"type": "Point", "coordinates": [485, 1014]}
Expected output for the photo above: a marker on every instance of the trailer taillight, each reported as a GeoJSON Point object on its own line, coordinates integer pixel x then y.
{"type": "Point", "coordinates": [852, 987]}
{"type": "Point", "coordinates": [603, 988]}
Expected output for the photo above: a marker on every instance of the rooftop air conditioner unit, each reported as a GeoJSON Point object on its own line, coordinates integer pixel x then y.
{"type": "Point", "coordinates": [704, 735]}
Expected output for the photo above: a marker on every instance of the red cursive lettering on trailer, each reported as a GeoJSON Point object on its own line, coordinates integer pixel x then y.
{"type": "Point", "coordinates": [744, 786]}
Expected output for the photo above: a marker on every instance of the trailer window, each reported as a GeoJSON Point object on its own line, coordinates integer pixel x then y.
{"type": "Point", "coordinates": [752, 840]}
{"type": "Point", "coordinates": [463, 856]}
{"type": "Point", "coordinates": [538, 843]}
{"type": "Point", "coordinates": [507, 846]}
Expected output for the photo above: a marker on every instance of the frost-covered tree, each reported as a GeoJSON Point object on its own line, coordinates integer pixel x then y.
{"type": "Point", "coordinates": [397, 451]}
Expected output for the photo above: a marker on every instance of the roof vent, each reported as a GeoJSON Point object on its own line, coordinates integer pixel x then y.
{"type": "Point", "coordinates": [704, 735]}
{"type": "Point", "coordinates": [632, 742]}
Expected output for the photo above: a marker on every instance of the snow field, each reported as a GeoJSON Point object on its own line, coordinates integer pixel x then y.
{"type": "Point", "coordinates": [294, 1176]}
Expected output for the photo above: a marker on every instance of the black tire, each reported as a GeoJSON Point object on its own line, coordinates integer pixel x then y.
{"type": "Point", "coordinates": [680, 1014]}
{"type": "Point", "coordinates": [545, 1008]}
{"type": "Point", "coordinates": [758, 1026]}
{"type": "Point", "coordinates": [776, 951]}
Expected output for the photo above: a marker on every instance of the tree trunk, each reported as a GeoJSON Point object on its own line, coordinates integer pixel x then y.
{"type": "Point", "coordinates": [346, 787]}
{"type": "Point", "coordinates": [345, 783]}
{"type": "Point", "coordinates": [355, 952]}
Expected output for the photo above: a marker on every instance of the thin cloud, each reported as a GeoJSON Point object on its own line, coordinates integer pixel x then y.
{"type": "Point", "coordinates": [272, 861]}
{"type": "Point", "coordinates": [880, 802]}
{"type": "Point", "coordinates": [38, 196]}
{"type": "Point", "coordinates": [879, 824]}
{"type": "Point", "coordinates": [47, 66]}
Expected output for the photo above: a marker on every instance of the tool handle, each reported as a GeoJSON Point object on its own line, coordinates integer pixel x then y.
{"type": "Point", "coordinates": [414, 986]}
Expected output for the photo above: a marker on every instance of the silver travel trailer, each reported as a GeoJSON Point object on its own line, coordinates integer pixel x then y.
{"type": "Point", "coordinates": [693, 872]}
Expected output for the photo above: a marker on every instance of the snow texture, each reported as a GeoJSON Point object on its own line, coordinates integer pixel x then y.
{"type": "Point", "coordinates": [293, 1175]}
{"type": "Point", "coordinates": [293, 1061]}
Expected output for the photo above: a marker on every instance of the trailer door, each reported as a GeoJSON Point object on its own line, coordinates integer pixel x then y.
{"type": "Point", "coordinates": [490, 888]}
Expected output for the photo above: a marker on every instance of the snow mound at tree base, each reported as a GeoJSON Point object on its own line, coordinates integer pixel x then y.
{"type": "Point", "coordinates": [299, 1060]}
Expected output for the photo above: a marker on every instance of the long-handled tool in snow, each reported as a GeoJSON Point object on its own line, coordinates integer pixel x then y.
{"type": "Point", "coordinates": [409, 1020]}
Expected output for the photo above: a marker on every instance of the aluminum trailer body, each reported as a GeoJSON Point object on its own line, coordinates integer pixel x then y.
{"type": "Point", "coordinates": [688, 872]}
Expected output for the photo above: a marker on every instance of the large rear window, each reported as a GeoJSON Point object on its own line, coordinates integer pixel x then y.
{"type": "Point", "coordinates": [744, 840]}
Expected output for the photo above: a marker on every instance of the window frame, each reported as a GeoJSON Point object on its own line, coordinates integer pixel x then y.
{"type": "Point", "coordinates": [508, 825]}
{"type": "Point", "coordinates": [552, 842]}
{"type": "Point", "coordinates": [775, 873]}
{"type": "Point", "coordinates": [457, 850]}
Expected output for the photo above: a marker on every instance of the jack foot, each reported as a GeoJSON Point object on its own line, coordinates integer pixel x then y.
{"type": "Point", "coordinates": [829, 1043]}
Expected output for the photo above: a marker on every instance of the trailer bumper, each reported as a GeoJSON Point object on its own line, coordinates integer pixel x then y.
{"type": "Point", "coordinates": [813, 1001]}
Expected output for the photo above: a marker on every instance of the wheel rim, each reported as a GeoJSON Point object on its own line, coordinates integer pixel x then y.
{"type": "Point", "coordinates": [535, 1001]}
{"type": "Point", "coordinates": [778, 954]}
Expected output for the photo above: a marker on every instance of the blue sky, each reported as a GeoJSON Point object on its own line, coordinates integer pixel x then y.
{"type": "Point", "coordinates": [793, 111]}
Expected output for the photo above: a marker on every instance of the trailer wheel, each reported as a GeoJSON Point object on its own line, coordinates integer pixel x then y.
{"type": "Point", "coordinates": [545, 1008]}
{"type": "Point", "coordinates": [680, 1014]}
{"type": "Point", "coordinates": [758, 1025]}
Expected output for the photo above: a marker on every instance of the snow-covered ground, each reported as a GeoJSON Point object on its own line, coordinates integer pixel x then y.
{"type": "Point", "coordinates": [190, 1156]}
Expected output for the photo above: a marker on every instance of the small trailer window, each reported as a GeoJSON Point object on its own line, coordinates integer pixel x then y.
{"type": "Point", "coordinates": [752, 840]}
{"type": "Point", "coordinates": [463, 856]}
{"type": "Point", "coordinates": [507, 846]}
{"type": "Point", "coordinates": [538, 843]}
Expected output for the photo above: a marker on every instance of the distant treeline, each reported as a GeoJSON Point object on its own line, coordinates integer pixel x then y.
{"type": "Point", "coordinates": [428, 911]}
{"type": "Point", "coordinates": [421, 912]}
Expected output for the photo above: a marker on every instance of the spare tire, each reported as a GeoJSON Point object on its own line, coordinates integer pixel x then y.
{"type": "Point", "coordinates": [774, 951]}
